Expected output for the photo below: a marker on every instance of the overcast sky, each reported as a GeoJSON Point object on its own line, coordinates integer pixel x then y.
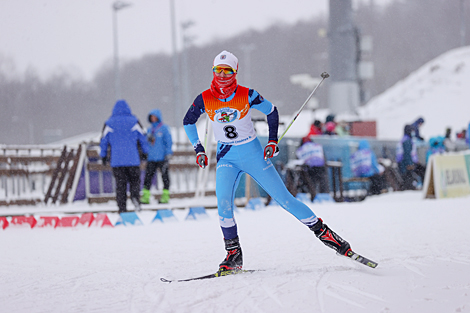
{"type": "Point", "coordinates": [78, 34]}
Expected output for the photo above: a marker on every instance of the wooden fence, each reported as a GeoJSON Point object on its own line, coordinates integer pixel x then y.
{"type": "Point", "coordinates": [26, 172]}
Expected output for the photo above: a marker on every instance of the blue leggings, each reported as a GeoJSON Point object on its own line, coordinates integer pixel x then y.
{"type": "Point", "coordinates": [248, 158]}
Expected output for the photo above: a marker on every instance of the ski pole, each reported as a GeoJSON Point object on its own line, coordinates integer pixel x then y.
{"type": "Point", "coordinates": [323, 75]}
{"type": "Point", "coordinates": [205, 138]}
{"type": "Point", "coordinates": [205, 133]}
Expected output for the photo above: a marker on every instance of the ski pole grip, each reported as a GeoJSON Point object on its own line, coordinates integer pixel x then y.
{"type": "Point", "coordinates": [268, 154]}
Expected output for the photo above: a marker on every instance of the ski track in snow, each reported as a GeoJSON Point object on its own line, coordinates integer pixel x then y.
{"type": "Point", "coordinates": [119, 270]}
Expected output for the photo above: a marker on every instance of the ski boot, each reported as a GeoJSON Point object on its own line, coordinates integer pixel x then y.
{"type": "Point", "coordinates": [330, 238]}
{"type": "Point", "coordinates": [145, 199]}
{"type": "Point", "coordinates": [233, 262]}
{"type": "Point", "coordinates": [165, 198]}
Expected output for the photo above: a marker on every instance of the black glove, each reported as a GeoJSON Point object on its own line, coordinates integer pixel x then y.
{"type": "Point", "coordinates": [144, 156]}
{"type": "Point", "coordinates": [104, 160]}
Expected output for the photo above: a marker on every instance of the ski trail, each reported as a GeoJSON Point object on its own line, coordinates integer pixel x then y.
{"type": "Point", "coordinates": [454, 259]}
{"type": "Point", "coordinates": [271, 295]}
{"type": "Point", "coordinates": [359, 292]}
{"type": "Point", "coordinates": [335, 290]}
{"type": "Point", "coordinates": [320, 291]}
{"type": "Point", "coordinates": [247, 301]}
{"type": "Point", "coordinates": [411, 268]}
{"type": "Point", "coordinates": [323, 288]}
{"type": "Point", "coordinates": [335, 295]}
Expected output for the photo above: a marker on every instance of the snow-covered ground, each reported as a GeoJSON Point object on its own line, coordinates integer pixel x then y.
{"type": "Point", "coordinates": [421, 247]}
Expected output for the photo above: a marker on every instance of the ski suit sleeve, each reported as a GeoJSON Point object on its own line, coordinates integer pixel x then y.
{"type": "Point", "coordinates": [264, 106]}
{"type": "Point", "coordinates": [141, 138]}
{"type": "Point", "coordinates": [104, 142]}
{"type": "Point", "coordinates": [168, 142]}
{"type": "Point", "coordinates": [189, 123]}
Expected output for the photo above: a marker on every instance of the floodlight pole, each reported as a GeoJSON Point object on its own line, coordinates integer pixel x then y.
{"type": "Point", "coordinates": [463, 26]}
{"type": "Point", "coordinates": [117, 5]}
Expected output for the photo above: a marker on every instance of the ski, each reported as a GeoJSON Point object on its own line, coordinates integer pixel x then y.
{"type": "Point", "coordinates": [214, 275]}
{"type": "Point", "coordinates": [359, 258]}
{"type": "Point", "coordinates": [350, 254]}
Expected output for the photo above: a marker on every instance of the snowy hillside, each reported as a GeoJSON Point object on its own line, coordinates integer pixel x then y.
{"type": "Point", "coordinates": [439, 92]}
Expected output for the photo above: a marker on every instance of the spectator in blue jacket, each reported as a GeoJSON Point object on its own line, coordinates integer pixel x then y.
{"type": "Point", "coordinates": [160, 152]}
{"type": "Point", "coordinates": [364, 164]}
{"type": "Point", "coordinates": [124, 134]}
{"type": "Point", "coordinates": [436, 146]}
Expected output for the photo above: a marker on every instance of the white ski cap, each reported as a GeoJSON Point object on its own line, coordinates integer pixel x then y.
{"type": "Point", "coordinates": [228, 58]}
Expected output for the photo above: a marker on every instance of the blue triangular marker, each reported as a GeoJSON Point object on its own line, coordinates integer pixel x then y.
{"type": "Point", "coordinates": [165, 215]}
{"type": "Point", "coordinates": [128, 218]}
{"type": "Point", "coordinates": [197, 213]}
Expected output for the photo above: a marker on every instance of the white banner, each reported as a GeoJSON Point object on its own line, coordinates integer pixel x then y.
{"type": "Point", "coordinates": [447, 176]}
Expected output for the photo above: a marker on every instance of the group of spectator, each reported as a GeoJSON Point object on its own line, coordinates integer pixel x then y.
{"type": "Point", "coordinates": [442, 144]}
{"type": "Point", "coordinates": [363, 161]}
{"type": "Point", "coordinates": [407, 156]}
{"type": "Point", "coordinates": [330, 127]}
{"type": "Point", "coordinates": [129, 144]}
{"type": "Point", "coordinates": [363, 164]}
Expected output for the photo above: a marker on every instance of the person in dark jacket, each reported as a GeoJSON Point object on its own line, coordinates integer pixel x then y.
{"type": "Point", "coordinates": [415, 128]}
{"type": "Point", "coordinates": [124, 134]}
{"type": "Point", "coordinates": [160, 142]}
{"type": "Point", "coordinates": [407, 159]}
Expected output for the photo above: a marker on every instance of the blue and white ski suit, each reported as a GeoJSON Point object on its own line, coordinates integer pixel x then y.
{"type": "Point", "coordinates": [239, 151]}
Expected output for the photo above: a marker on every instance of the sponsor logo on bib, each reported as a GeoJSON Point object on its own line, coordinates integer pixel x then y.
{"type": "Point", "coordinates": [226, 115]}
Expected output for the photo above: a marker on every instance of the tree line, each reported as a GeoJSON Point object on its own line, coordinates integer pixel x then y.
{"type": "Point", "coordinates": [406, 34]}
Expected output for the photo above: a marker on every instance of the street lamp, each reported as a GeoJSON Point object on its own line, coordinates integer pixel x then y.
{"type": "Point", "coordinates": [463, 28]}
{"type": "Point", "coordinates": [187, 40]}
{"type": "Point", "coordinates": [117, 5]}
{"type": "Point", "coordinates": [176, 75]}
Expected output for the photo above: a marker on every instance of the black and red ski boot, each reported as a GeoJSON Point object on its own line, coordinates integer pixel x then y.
{"type": "Point", "coordinates": [330, 238]}
{"type": "Point", "coordinates": [234, 259]}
